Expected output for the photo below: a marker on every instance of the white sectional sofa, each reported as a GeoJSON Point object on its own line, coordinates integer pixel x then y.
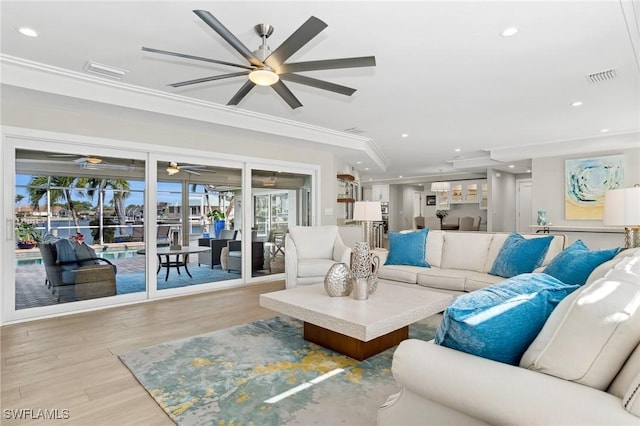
{"type": "Point", "coordinates": [459, 261]}
{"type": "Point", "coordinates": [582, 368]}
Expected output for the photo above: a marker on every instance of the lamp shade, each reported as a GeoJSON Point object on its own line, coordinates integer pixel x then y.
{"type": "Point", "coordinates": [440, 186]}
{"type": "Point", "coordinates": [367, 211]}
{"type": "Point", "coordinates": [622, 207]}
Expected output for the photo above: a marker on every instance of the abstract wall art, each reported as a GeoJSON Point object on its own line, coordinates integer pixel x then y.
{"type": "Point", "coordinates": [586, 181]}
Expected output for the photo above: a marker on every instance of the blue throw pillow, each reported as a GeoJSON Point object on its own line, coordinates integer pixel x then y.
{"type": "Point", "coordinates": [408, 249]}
{"type": "Point", "coordinates": [499, 322]}
{"type": "Point", "coordinates": [575, 263]}
{"type": "Point", "coordinates": [519, 255]}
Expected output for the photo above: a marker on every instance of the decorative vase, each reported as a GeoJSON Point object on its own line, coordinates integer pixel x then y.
{"type": "Point", "coordinates": [364, 265]}
{"type": "Point", "coordinates": [218, 226]}
{"type": "Point", "coordinates": [361, 289]}
{"type": "Point", "coordinates": [542, 217]}
{"type": "Point", "coordinates": [338, 281]}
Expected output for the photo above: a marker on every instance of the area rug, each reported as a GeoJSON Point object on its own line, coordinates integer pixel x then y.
{"type": "Point", "coordinates": [264, 373]}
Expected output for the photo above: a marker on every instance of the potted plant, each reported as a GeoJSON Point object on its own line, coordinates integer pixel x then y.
{"type": "Point", "coordinates": [27, 235]}
{"type": "Point", "coordinates": [218, 221]}
{"type": "Point", "coordinates": [441, 214]}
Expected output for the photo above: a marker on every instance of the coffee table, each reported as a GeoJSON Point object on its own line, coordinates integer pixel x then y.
{"type": "Point", "coordinates": [357, 328]}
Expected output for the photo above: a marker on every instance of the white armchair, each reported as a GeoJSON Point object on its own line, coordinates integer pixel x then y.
{"type": "Point", "coordinates": [310, 251]}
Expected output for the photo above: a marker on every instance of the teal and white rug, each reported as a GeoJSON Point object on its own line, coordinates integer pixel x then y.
{"type": "Point", "coordinates": [264, 373]}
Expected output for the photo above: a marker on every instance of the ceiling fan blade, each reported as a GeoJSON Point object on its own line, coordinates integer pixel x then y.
{"type": "Point", "coordinates": [311, 28]}
{"type": "Point", "coordinates": [212, 78]}
{"type": "Point", "coordinates": [190, 171]}
{"type": "Point", "coordinates": [286, 94]}
{"type": "Point", "coordinates": [217, 26]}
{"type": "Point", "coordinates": [240, 94]}
{"type": "Point", "coordinates": [328, 64]}
{"type": "Point", "coordinates": [320, 84]}
{"type": "Point", "coordinates": [197, 58]}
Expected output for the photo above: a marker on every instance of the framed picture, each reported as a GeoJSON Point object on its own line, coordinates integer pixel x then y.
{"type": "Point", "coordinates": [431, 200]}
{"type": "Point", "coordinates": [586, 181]}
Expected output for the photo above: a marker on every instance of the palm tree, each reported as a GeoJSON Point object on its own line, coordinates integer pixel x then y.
{"type": "Point", "coordinates": [58, 189]}
{"type": "Point", "coordinates": [120, 188]}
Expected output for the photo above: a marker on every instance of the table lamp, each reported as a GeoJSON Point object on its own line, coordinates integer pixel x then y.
{"type": "Point", "coordinates": [367, 212]}
{"type": "Point", "coordinates": [622, 208]}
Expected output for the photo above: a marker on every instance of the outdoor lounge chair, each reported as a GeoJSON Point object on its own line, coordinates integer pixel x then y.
{"type": "Point", "coordinates": [75, 273]}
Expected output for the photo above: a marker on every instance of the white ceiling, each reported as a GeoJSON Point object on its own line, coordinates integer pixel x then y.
{"type": "Point", "coordinates": [444, 75]}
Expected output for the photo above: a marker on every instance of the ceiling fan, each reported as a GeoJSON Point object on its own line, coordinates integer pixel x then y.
{"type": "Point", "coordinates": [174, 168]}
{"type": "Point", "coordinates": [268, 68]}
{"type": "Point", "coordinates": [93, 159]}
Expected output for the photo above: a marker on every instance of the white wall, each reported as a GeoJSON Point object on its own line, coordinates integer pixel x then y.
{"type": "Point", "coordinates": [548, 194]}
{"type": "Point", "coordinates": [501, 213]}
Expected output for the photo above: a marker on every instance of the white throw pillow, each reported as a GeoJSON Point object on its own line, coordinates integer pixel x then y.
{"type": "Point", "coordinates": [462, 251]}
{"type": "Point", "coordinates": [314, 242]}
{"type": "Point", "coordinates": [591, 333]}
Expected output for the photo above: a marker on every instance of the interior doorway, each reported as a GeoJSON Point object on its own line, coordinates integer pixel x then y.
{"type": "Point", "coordinates": [523, 206]}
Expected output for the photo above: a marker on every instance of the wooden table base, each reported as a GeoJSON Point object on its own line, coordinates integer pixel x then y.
{"type": "Point", "coordinates": [350, 346]}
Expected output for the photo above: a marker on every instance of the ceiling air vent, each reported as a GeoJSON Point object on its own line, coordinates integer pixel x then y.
{"type": "Point", "coordinates": [602, 76]}
{"type": "Point", "coordinates": [104, 70]}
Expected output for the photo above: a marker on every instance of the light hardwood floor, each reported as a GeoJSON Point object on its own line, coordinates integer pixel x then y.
{"type": "Point", "coordinates": [70, 363]}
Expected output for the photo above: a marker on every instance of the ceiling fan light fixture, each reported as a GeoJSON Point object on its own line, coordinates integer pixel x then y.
{"type": "Point", "coordinates": [94, 160]}
{"type": "Point", "coordinates": [173, 169]}
{"type": "Point", "coordinates": [264, 77]}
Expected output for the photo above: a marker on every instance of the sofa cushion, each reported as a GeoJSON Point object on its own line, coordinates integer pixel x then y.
{"type": "Point", "coordinates": [465, 251]}
{"type": "Point", "coordinates": [631, 399]}
{"type": "Point", "coordinates": [403, 273]}
{"type": "Point", "coordinates": [624, 379]}
{"type": "Point", "coordinates": [520, 255]}
{"type": "Point", "coordinates": [314, 242]}
{"type": "Point", "coordinates": [478, 280]}
{"type": "Point", "coordinates": [313, 267]}
{"type": "Point", "coordinates": [408, 248]}
{"type": "Point", "coordinates": [590, 335]}
{"type": "Point", "coordinates": [603, 268]}
{"type": "Point", "coordinates": [500, 321]}
{"type": "Point", "coordinates": [68, 260]}
{"type": "Point", "coordinates": [576, 262]}
{"type": "Point", "coordinates": [448, 279]}
{"type": "Point", "coordinates": [435, 242]}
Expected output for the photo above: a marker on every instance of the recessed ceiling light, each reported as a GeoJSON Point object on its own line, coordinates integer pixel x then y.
{"type": "Point", "coordinates": [511, 166]}
{"type": "Point", "coordinates": [511, 31]}
{"type": "Point", "coordinates": [457, 150]}
{"type": "Point", "coordinates": [604, 130]}
{"type": "Point", "coordinates": [528, 170]}
{"type": "Point", "coordinates": [576, 103]}
{"type": "Point", "coordinates": [358, 162]}
{"type": "Point", "coordinates": [366, 168]}
{"type": "Point", "coordinates": [405, 135]}
{"type": "Point", "coordinates": [29, 32]}
{"type": "Point", "coordinates": [400, 176]}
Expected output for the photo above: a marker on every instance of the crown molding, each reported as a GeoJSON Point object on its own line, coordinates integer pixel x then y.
{"type": "Point", "coordinates": [37, 76]}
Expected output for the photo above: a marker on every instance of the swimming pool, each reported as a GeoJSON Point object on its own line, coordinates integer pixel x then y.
{"type": "Point", "coordinates": [110, 253]}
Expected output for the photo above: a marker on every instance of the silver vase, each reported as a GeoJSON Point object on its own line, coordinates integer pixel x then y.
{"type": "Point", "coordinates": [364, 265]}
{"type": "Point", "coordinates": [338, 281]}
